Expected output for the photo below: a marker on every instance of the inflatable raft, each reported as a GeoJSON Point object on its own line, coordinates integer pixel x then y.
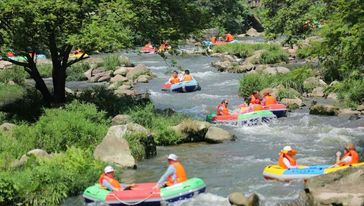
{"type": "Point", "coordinates": [143, 194]}
{"type": "Point", "coordinates": [275, 172]}
{"type": "Point", "coordinates": [280, 110]}
{"type": "Point", "coordinates": [187, 86]}
{"type": "Point", "coordinates": [242, 120]}
{"type": "Point", "coordinates": [78, 55]}
{"type": "Point", "coordinates": [147, 50]}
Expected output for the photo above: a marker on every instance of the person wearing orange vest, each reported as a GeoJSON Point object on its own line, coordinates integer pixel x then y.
{"type": "Point", "coordinates": [187, 76]}
{"type": "Point", "coordinates": [254, 102]}
{"type": "Point", "coordinates": [229, 37]}
{"type": "Point", "coordinates": [222, 108]}
{"type": "Point", "coordinates": [213, 39]}
{"type": "Point", "coordinates": [286, 158]}
{"type": "Point", "coordinates": [268, 99]}
{"type": "Point", "coordinates": [350, 157]}
{"type": "Point", "coordinates": [108, 181]}
{"type": "Point", "coordinates": [175, 173]}
{"type": "Point", "coordinates": [174, 78]}
{"type": "Point", "coordinates": [244, 108]}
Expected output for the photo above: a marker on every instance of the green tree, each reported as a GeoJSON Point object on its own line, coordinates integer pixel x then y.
{"type": "Point", "coordinates": [294, 19]}
{"type": "Point", "coordinates": [342, 49]}
{"type": "Point", "coordinates": [57, 26]}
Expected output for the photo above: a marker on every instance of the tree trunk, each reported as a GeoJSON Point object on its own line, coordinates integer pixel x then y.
{"type": "Point", "coordinates": [59, 84]}
{"type": "Point", "coordinates": [39, 84]}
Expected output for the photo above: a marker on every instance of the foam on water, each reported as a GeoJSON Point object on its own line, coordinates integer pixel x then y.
{"type": "Point", "coordinates": [206, 199]}
{"type": "Point", "coordinates": [203, 74]}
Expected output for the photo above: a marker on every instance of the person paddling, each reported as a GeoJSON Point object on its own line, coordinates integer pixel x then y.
{"type": "Point", "coordinates": [175, 173]}
{"type": "Point", "coordinates": [222, 108]}
{"type": "Point", "coordinates": [286, 158]}
{"type": "Point", "coordinates": [350, 157]}
{"type": "Point", "coordinates": [108, 181]}
{"type": "Point", "coordinates": [174, 78]}
{"type": "Point", "coordinates": [229, 37]}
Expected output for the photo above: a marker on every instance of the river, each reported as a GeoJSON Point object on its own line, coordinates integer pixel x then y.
{"type": "Point", "coordinates": [238, 165]}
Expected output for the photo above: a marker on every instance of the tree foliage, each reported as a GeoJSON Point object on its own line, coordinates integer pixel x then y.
{"type": "Point", "coordinates": [293, 19]}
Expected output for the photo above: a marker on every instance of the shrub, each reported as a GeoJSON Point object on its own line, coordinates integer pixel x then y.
{"type": "Point", "coordinates": [273, 54]}
{"type": "Point", "coordinates": [9, 93]}
{"type": "Point", "coordinates": [45, 70]}
{"type": "Point", "coordinates": [48, 181]}
{"type": "Point", "coordinates": [76, 71]}
{"type": "Point", "coordinates": [159, 124]}
{"type": "Point", "coordinates": [258, 81]}
{"type": "Point", "coordinates": [135, 144]}
{"type": "Point", "coordinates": [77, 124]}
{"type": "Point", "coordinates": [15, 73]}
{"type": "Point", "coordinates": [350, 91]}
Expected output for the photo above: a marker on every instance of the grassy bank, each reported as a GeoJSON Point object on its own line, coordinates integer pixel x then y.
{"type": "Point", "coordinates": [291, 83]}
{"type": "Point", "coordinates": [70, 133]}
{"type": "Point", "coordinates": [272, 53]}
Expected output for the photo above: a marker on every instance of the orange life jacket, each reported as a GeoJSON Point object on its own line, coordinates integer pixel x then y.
{"type": "Point", "coordinates": [222, 110]}
{"type": "Point", "coordinates": [291, 160]}
{"type": "Point", "coordinates": [187, 77]}
{"type": "Point", "coordinates": [229, 38]}
{"type": "Point", "coordinates": [254, 100]}
{"type": "Point", "coordinates": [181, 174]}
{"type": "Point", "coordinates": [113, 182]}
{"type": "Point", "coordinates": [213, 39]}
{"type": "Point", "coordinates": [269, 100]}
{"type": "Point", "coordinates": [173, 80]}
{"type": "Point", "coordinates": [354, 158]}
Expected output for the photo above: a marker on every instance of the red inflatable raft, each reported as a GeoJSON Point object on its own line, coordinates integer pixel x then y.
{"type": "Point", "coordinates": [147, 50]}
{"type": "Point", "coordinates": [279, 110]}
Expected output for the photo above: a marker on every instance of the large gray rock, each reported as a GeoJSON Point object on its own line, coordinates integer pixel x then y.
{"type": "Point", "coordinates": [134, 73]}
{"type": "Point", "coordinates": [218, 135]}
{"type": "Point", "coordinates": [332, 96]}
{"type": "Point", "coordinates": [276, 70]}
{"type": "Point", "coordinates": [118, 78]}
{"type": "Point", "coordinates": [344, 187]}
{"type": "Point", "coordinates": [38, 153]}
{"type": "Point", "coordinates": [106, 76]}
{"type": "Point", "coordinates": [317, 92]}
{"type": "Point", "coordinates": [347, 112]}
{"type": "Point", "coordinates": [5, 64]}
{"type": "Point", "coordinates": [114, 148]}
{"type": "Point", "coordinates": [313, 82]}
{"type": "Point", "coordinates": [121, 119]}
{"type": "Point", "coordinates": [192, 129]}
{"type": "Point", "coordinates": [238, 199]}
{"type": "Point", "coordinates": [88, 74]}
{"type": "Point", "coordinates": [252, 32]}
{"type": "Point", "coordinates": [121, 71]}
{"type": "Point", "coordinates": [7, 127]}
{"type": "Point", "coordinates": [324, 109]}
{"type": "Point", "coordinates": [96, 77]}
{"type": "Point", "coordinates": [223, 65]}
{"type": "Point", "coordinates": [292, 103]}
{"type": "Point", "coordinates": [142, 79]}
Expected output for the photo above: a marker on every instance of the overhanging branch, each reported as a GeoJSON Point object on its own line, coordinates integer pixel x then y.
{"type": "Point", "coordinates": [23, 64]}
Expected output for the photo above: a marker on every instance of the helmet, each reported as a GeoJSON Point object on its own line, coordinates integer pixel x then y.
{"type": "Point", "coordinates": [108, 169]}
{"type": "Point", "coordinates": [289, 149]}
{"type": "Point", "coordinates": [172, 157]}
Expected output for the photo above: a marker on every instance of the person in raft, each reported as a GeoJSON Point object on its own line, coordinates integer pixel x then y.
{"type": "Point", "coordinates": [268, 99]}
{"type": "Point", "coordinates": [175, 173]}
{"type": "Point", "coordinates": [286, 158]}
{"type": "Point", "coordinates": [244, 108]}
{"type": "Point", "coordinates": [187, 76]}
{"type": "Point", "coordinates": [254, 102]}
{"type": "Point", "coordinates": [108, 181]}
{"type": "Point", "coordinates": [350, 157]}
{"type": "Point", "coordinates": [222, 108]}
{"type": "Point", "coordinates": [148, 45]}
{"type": "Point", "coordinates": [229, 37]}
{"type": "Point", "coordinates": [174, 78]}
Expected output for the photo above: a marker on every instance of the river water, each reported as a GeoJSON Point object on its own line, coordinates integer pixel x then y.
{"type": "Point", "coordinates": [238, 165]}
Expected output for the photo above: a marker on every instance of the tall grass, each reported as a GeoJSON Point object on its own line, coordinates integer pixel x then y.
{"type": "Point", "coordinates": [273, 54]}
{"type": "Point", "coordinates": [9, 93]}
{"type": "Point", "coordinates": [110, 62]}
{"type": "Point", "coordinates": [350, 91]}
{"type": "Point", "coordinates": [15, 74]}
{"type": "Point", "coordinates": [76, 71]}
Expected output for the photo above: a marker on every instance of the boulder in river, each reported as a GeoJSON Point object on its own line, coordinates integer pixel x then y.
{"type": "Point", "coordinates": [347, 112]}
{"type": "Point", "coordinates": [142, 79]}
{"type": "Point", "coordinates": [292, 103]}
{"type": "Point", "coordinates": [317, 92]}
{"type": "Point", "coordinates": [193, 130]}
{"type": "Point", "coordinates": [114, 148]}
{"type": "Point", "coordinates": [121, 71]}
{"type": "Point", "coordinates": [135, 72]}
{"type": "Point", "coordinates": [118, 78]}
{"type": "Point", "coordinates": [106, 76]}
{"type": "Point", "coordinates": [218, 135]}
{"type": "Point", "coordinates": [323, 109]}
{"type": "Point", "coordinates": [222, 65]}
{"type": "Point", "coordinates": [344, 187]}
{"type": "Point", "coordinates": [238, 199]}
{"type": "Point", "coordinates": [253, 33]}
{"type": "Point", "coordinates": [276, 70]}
